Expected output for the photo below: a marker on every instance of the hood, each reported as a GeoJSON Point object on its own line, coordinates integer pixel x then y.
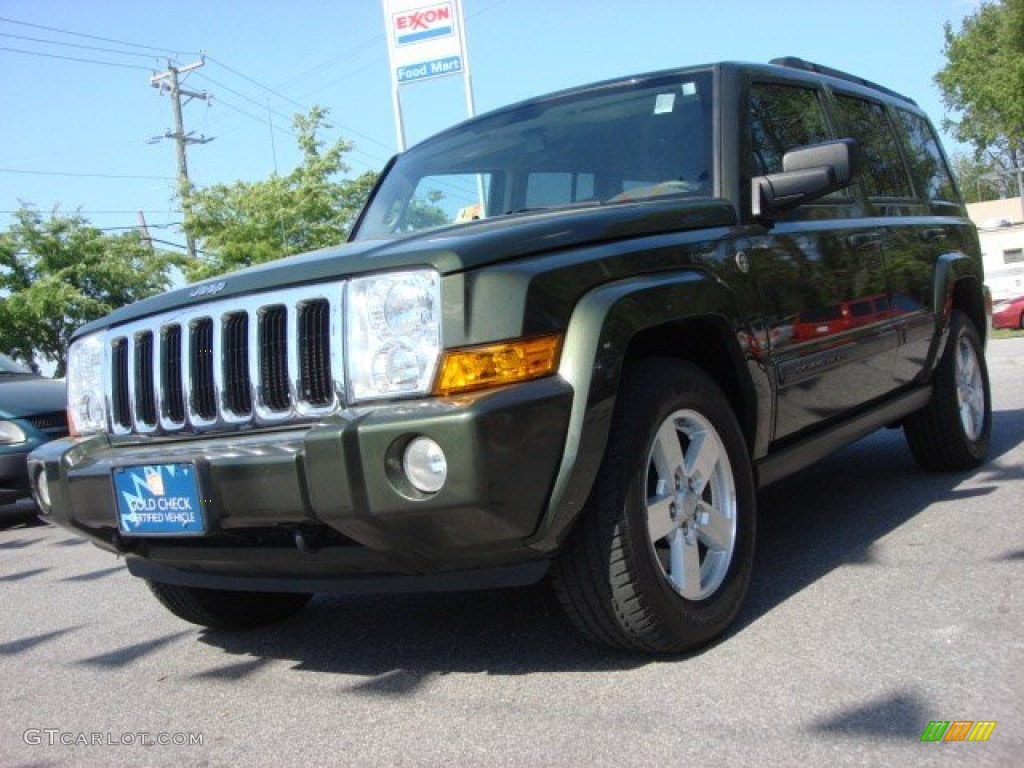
{"type": "Point", "coordinates": [449, 250]}
{"type": "Point", "coordinates": [28, 395]}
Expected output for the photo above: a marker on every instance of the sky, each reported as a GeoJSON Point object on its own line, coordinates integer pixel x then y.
{"type": "Point", "coordinates": [78, 135]}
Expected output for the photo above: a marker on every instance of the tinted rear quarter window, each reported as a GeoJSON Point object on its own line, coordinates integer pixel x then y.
{"type": "Point", "coordinates": [881, 163]}
{"type": "Point", "coordinates": [927, 164]}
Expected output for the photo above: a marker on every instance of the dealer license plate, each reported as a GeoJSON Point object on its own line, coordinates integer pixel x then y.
{"type": "Point", "coordinates": [159, 500]}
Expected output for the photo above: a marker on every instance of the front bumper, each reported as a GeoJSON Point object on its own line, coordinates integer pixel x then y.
{"type": "Point", "coordinates": [326, 503]}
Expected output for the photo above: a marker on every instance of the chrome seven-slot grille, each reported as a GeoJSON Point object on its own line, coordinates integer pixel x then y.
{"type": "Point", "coordinates": [258, 360]}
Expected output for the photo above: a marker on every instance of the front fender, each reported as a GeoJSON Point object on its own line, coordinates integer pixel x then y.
{"type": "Point", "coordinates": [601, 328]}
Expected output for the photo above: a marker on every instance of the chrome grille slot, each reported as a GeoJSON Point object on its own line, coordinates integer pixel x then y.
{"type": "Point", "coordinates": [144, 392]}
{"type": "Point", "coordinates": [250, 361]}
{"type": "Point", "coordinates": [315, 352]}
{"type": "Point", "coordinates": [274, 390]}
{"type": "Point", "coordinates": [171, 387]}
{"type": "Point", "coordinates": [120, 404]}
{"type": "Point", "coordinates": [203, 399]}
{"type": "Point", "coordinates": [237, 398]}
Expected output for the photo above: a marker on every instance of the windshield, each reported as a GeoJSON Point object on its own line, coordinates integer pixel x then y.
{"type": "Point", "coordinates": [8, 366]}
{"type": "Point", "coordinates": [609, 144]}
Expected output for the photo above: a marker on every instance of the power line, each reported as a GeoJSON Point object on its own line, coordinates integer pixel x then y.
{"type": "Point", "coordinates": [76, 58]}
{"type": "Point", "coordinates": [257, 118]}
{"type": "Point", "coordinates": [90, 37]}
{"type": "Point", "coordinates": [284, 116]}
{"type": "Point", "coordinates": [337, 59]}
{"type": "Point", "coordinates": [240, 95]}
{"type": "Point", "coordinates": [106, 213]}
{"type": "Point", "coordinates": [136, 226]}
{"type": "Point", "coordinates": [78, 150]}
{"type": "Point", "coordinates": [76, 45]}
{"type": "Point", "coordinates": [199, 251]}
{"type": "Point", "coordinates": [258, 84]}
{"type": "Point", "coordinates": [85, 175]}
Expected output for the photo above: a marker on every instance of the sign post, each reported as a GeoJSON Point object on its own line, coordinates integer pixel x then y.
{"type": "Point", "coordinates": [425, 40]}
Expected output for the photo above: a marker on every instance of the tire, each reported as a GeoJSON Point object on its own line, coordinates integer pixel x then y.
{"type": "Point", "coordinates": [952, 432]}
{"type": "Point", "coordinates": [661, 558]}
{"type": "Point", "coordinates": [228, 609]}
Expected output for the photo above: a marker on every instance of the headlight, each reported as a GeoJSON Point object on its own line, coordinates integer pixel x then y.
{"type": "Point", "coordinates": [87, 411]}
{"type": "Point", "coordinates": [392, 334]}
{"type": "Point", "coordinates": [11, 433]}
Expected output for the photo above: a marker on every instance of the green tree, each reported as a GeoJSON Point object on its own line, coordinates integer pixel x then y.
{"type": "Point", "coordinates": [982, 83]}
{"type": "Point", "coordinates": [981, 179]}
{"type": "Point", "coordinates": [253, 222]}
{"type": "Point", "coordinates": [60, 272]}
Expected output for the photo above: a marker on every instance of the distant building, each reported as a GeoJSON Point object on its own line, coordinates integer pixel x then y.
{"type": "Point", "coordinates": [1001, 230]}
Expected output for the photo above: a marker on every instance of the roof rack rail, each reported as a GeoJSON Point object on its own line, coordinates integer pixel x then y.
{"type": "Point", "coordinates": [795, 62]}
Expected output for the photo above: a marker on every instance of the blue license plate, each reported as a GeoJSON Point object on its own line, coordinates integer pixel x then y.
{"type": "Point", "coordinates": [159, 500]}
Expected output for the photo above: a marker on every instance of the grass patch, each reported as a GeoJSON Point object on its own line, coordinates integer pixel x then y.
{"type": "Point", "coordinates": [1007, 333]}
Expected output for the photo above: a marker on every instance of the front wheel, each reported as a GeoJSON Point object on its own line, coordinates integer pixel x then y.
{"type": "Point", "coordinates": [662, 556]}
{"type": "Point", "coordinates": [952, 431]}
{"type": "Point", "coordinates": [225, 608]}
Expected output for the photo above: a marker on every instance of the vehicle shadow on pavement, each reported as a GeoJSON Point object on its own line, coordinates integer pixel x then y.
{"type": "Point", "coordinates": [811, 523]}
{"type": "Point", "coordinates": [398, 642]}
{"type": "Point", "coordinates": [20, 517]}
{"type": "Point", "coordinates": [832, 513]}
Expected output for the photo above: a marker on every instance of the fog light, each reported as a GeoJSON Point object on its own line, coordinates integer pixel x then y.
{"type": "Point", "coordinates": [41, 490]}
{"type": "Point", "coordinates": [425, 465]}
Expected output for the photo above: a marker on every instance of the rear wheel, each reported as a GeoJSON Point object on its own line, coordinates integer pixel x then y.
{"type": "Point", "coordinates": [662, 556]}
{"type": "Point", "coordinates": [228, 609]}
{"type": "Point", "coordinates": [952, 432]}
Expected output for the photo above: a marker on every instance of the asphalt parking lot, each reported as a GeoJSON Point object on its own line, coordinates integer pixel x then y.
{"type": "Point", "coordinates": [884, 598]}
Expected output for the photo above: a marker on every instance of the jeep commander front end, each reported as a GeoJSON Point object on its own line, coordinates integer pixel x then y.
{"type": "Point", "coordinates": [394, 412]}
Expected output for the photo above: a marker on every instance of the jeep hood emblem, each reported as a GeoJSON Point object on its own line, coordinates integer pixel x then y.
{"type": "Point", "coordinates": [208, 289]}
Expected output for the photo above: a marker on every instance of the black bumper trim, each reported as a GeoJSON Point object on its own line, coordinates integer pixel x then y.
{"type": "Point", "coordinates": [517, 575]}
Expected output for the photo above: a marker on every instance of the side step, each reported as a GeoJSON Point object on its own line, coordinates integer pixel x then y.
{"type": "Point", "coordinates": [793, 458]}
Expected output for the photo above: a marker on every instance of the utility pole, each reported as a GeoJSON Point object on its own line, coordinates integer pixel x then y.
{"type": "Point", "coordinates": [169, 81]}
{"type": "Point", "coordinates": [144, 231]}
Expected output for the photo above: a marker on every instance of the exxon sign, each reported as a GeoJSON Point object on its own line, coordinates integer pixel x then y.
{"type": "Point", "coordinates": [426, 23]}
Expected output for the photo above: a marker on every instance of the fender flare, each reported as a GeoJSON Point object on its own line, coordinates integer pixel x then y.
{"type": "Point", "coordinates": [953, 269]}
{"type": "Point", "coordinates": [601, 327]}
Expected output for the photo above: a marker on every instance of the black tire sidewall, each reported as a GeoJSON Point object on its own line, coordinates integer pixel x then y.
{"type": "Point", "coordinates": [671, 386]}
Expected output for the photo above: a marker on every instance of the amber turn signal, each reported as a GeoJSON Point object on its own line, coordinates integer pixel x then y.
{"type": "Point", "coordinates": [470, 368]}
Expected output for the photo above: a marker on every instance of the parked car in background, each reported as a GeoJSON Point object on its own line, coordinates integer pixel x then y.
{"type": "Point", "coordinates": [32, 412]}
{"type": "Point", "coordinates": [1008, 313]}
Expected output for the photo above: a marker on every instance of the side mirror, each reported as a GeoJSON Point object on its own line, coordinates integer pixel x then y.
{"type": "Point", "coordinates": [807, 174]}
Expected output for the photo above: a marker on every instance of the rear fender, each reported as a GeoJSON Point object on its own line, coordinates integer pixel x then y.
{"type": "Point", "coordinates": [958, 283]}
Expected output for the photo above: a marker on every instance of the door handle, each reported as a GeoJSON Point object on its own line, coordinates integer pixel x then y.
{"type": "Point", "coordinates": [865, 241]}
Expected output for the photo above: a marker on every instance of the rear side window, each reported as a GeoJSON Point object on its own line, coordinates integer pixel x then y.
{"type": "Point", "coordinates": [782, 117]}
{"type": "Point", "coordinates": [881, 163]}
{"type": "Point", "coordinates": [927, 164]}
